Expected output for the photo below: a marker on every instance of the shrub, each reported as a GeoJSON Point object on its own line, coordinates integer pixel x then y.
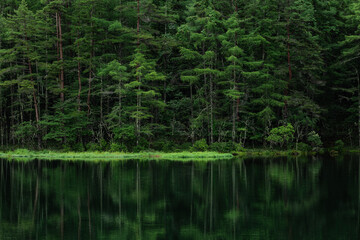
{"type": "Point", "coordinates": [303, 147]}
{"type": "Point", "coordinates": [224, 147]}
{"type": "Point", "coordinates": [315, 140]}
{"type": "Point", "coordinates": [118, 147]}
{"type": "Point", "coordinates": [92, 147]}
{"type": "Point", "coordinates": [71, 146]}
{"type": "Point", "coordinates": [22, 151]}
{"type": "Point", "coordinates": [281, 135]}
{"type": "Point", "coordinates": [339, 146]}
{"type": "Point", "coordinates": [103, 144]}
{"type": "Point", "coordinates": [187, 146]}
{"type": "Point", "coordinates": [163, 145]}
{"type": "Point", "coordinates": [240, 148]}
{"type": "Point", "coordinates": [77, 147]}
{"type": "Point", "coordinates": [200, 145]}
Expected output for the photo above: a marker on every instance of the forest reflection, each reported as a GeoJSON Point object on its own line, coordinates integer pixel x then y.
{"type": "Point", "coordinates": [303, 198]}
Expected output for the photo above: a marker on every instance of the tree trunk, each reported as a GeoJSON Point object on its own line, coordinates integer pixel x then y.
{"type": "Point", "coordinates": [61, 60]}
{"type": "Point", "coordinates": [289, 63]}
{"type": "Point", "coordinates": [235, 106]}
{"type": "Point", "coordinates": [358, 86]}
{"type": "Point", "coordinates": [79, 79]}
{"type": "Point", "coordinates": [119, 100]}
{"type": "Point", "coordinates": [101, 108]}
{"type": "Point", "coordinates": [34, 94]}
{"type": "Point", "coordinates": [90, 67]}
{"type": "Point", "coordinates": [211, 110]}
{"type": "Point", "coordinates": [138, 106]}
{"type": "Point", "coordinates": [192, 114]}
{"type": "Point", "coordinates": [138, 96]}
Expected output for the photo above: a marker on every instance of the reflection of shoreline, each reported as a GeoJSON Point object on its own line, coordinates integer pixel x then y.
{"type": "Point", "coordinates": [165, 200]}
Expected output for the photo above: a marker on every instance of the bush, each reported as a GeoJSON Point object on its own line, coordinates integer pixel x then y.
{"type": "Point", "coordinates": [187, 146]}
{"type": "Point", "coordinates": [240, 148]}
{"type": "Point", "coordinates": [281, 135]}
{"type": "Point", "coordinates": [163, 145]}
{"type": "Point", "coordinates": [315, 140]}
{"type": "Point", "coordinates": [303, 147]}
{"type": "Point", "coordinates": [92, 147]}
{"type": "Point", "coordinates": [103, 144]}
{"type": "Point", "coordinates": [339, 146]}
{"type": "Point", "coordinates": [118, 147]}
{"type": "Point", "coordinates": [200, 145]}
{"type": "Point", "coordinates": [77, 147]}
{"type": "Point", "coordinates": [71, 146]}
{"type": "Point", "coordinates": [21, 151]}
{"type": "Point", "coordinates": [224, 147]}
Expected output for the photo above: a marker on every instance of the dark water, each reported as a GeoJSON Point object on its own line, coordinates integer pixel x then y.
{"type": "Point", "coordinates": [308, 198]}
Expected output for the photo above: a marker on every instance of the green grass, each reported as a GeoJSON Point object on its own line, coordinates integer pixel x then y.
{"type": "Point", "coordinates": [26, 155]}
{"type": "Point", "coordinates": [270, 153]}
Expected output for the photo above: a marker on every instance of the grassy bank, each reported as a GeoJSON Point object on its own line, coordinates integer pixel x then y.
{"type": "Point", "coordinates": [22, 154]}
{"type": "Point", "coordinates": [271, 153]}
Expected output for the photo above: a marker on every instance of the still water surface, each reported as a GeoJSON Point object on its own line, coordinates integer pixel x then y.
{"type": "Point", "coordinates": [305, 198]}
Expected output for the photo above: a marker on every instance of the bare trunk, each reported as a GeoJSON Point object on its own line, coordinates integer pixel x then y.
{"type": "Point", "coordinates": [192, 114]}
{"type": "Point", "coordinates": [119, 100]}
{"type": "Point", "coordinates": [61, 60]}
{"type": "Point", "coordinates": [358, 86]}
{"type": "Point", "coordinates": [235, 108]}
{"type": "Point", "coordinates": [289, 64]}
{"type": "Point", "coordinates": [79, 80]}
{"type": "Point", "coordinates": [138, 97]}
{"type": "Point", "coordinates": [90, 67]}
{"type": "Point", "coordinates": [138, 106]}
{"type": "Point", "coordinates": [211, 110]}
{"type": "Point", "coordinates": [101, 108]}
{"type": "Point", "coordinates": [34, 95]}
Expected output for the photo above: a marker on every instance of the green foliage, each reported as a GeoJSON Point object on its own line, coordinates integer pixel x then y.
{"type": "Point", "coordinates": [117, 147]}
{"type": "Point", "coordinates": [281, 135]}
{"type": "Point", "coordinates": [163, 145]}
{"type": "Point", "coordinates": [339, 145]}
{"type": "Point", "coordinates": [224, 147]}
{"type": "Point", "coordinates": [92, 147]}
{"type": "Point", "coordinates": [93, 156]}
{"type": "Point", "coordinates": [193, 70]}
{"type": "Point", "coordinates": [303, 147]}
{"type": "Point", "coordinates": [315, 140]}
{"type": "Point", "coordinates": [200, 145]}
{"type": "Point", "coordinates": [26, 131]}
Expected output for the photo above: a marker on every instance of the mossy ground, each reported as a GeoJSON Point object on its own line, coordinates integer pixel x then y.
{"type": "Point", "coordinates": [272, 153]}
{"type": "Point", "coordinates": [27, 155]}
{"type": "Point", "coordinates": [23, 154]}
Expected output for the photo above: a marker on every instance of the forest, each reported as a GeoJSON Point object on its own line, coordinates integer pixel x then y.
{"type": "Point", "coordinates": [132, 75]}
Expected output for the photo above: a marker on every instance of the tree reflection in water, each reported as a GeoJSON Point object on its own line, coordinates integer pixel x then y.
{"type": "Point", "coordinates": [304, 198]}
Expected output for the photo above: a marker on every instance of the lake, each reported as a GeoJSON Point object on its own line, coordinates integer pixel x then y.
{"type": "Point", "coordinates": [297, 198]}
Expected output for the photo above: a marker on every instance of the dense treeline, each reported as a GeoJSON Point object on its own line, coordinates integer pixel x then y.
{"type": "Point", "coordinates": [139, 74]}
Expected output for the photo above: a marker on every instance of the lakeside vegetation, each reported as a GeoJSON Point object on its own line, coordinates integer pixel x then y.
{"type": "Point", "coordinates": [23, 154]}
{"type": "Point", "coordinates": [26, 155]}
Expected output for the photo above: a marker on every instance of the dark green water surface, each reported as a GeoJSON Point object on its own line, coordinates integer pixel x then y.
{"type": "Point", "coordinates": [305, 198]}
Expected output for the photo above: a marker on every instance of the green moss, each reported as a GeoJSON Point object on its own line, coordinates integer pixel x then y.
{"type": "Point", "coordinates": [271, 153]}
{"type": "Point", "coordinates": [113, 156]}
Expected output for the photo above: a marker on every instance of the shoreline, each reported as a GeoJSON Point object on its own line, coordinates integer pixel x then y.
{"type": "Point", "coordinates": [27, 155]}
